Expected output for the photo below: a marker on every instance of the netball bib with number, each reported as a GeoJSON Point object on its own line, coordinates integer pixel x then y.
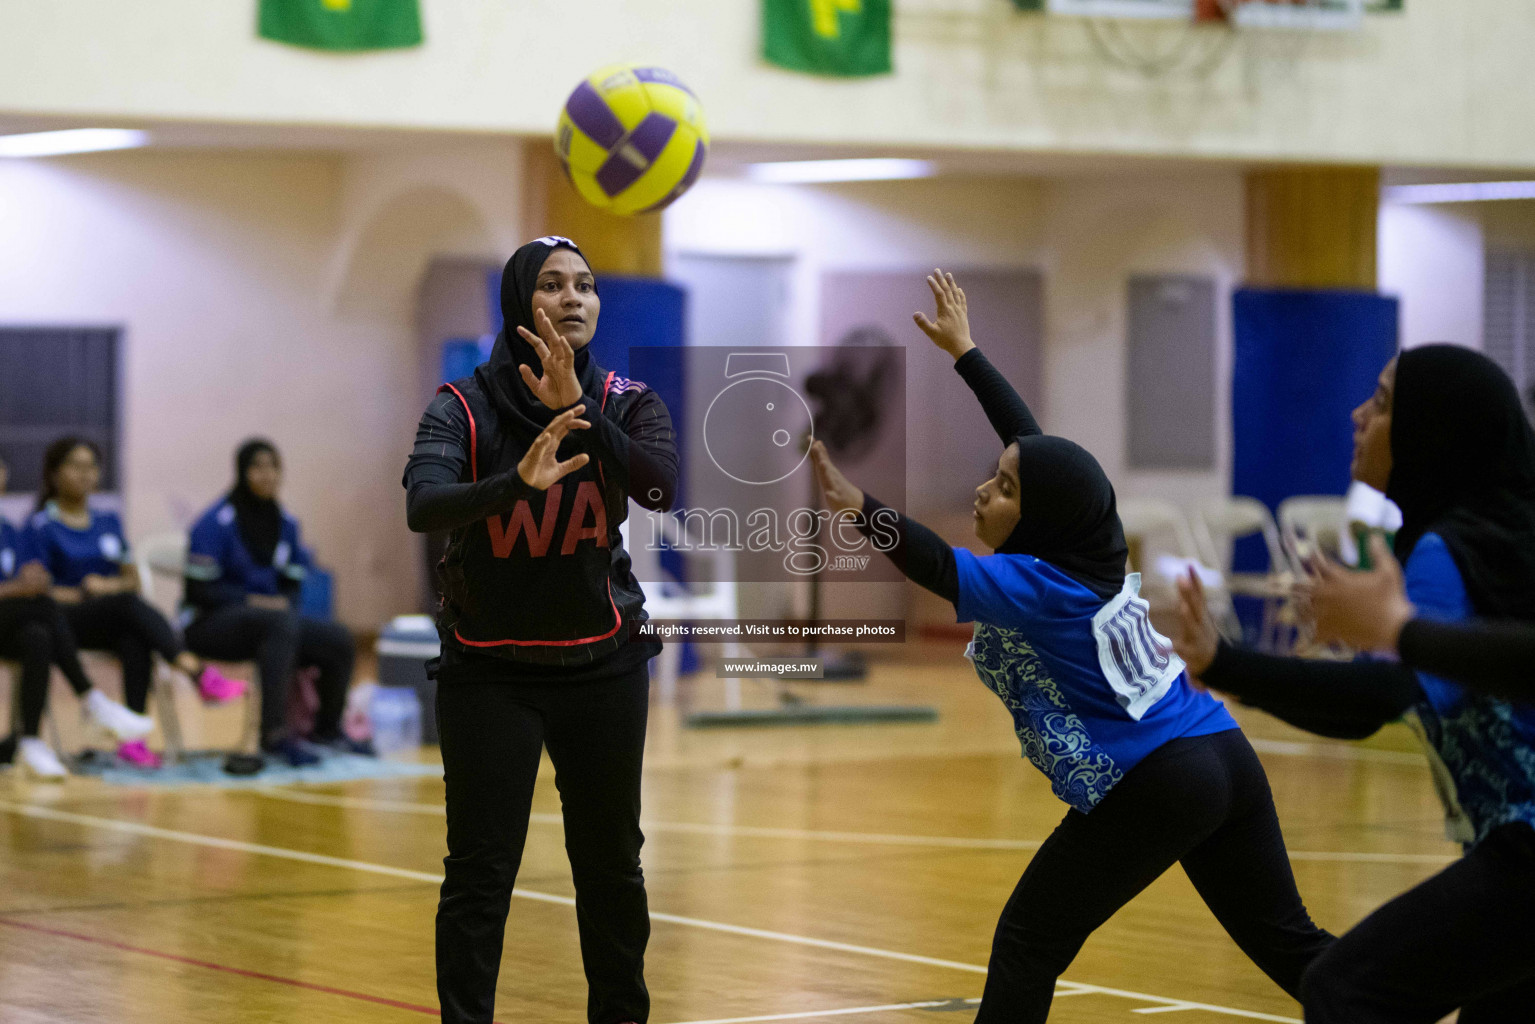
{"type": "Point", "coordinates": [1091, 687]}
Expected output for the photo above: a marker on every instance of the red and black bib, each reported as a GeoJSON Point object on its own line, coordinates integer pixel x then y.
{"type": "Point", "coordinates": [548, 581]}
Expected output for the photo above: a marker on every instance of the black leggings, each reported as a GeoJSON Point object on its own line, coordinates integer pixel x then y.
{"type": "Point", "coordinates": [1203, 802]}
{"type": "Point", "coordinates": [1463, 939]}
{"type": "Point", "coordinates": [33, 631]}
{"type": "Point", "coordinates": [281, 641]}
{"type": "Point", "coordinates": [127, 626]}
{"type": "Point", "coordinates": [492, 733]}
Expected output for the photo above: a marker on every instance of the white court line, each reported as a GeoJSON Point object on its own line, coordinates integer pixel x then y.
{"type": "Point", "coordinates": [196, 839]}
{"type": "Point", "coordinates": [687, 828]}
{"type": "Point", "coordinates": [754, 832]}
{"type": "Point", "coordinates": [1173, 1008]}
{"type": "Point", "coordinates": [1349, 857]}
{"type": "Point", "coordinates": [1069, 988]}
{"type": "Point", "coordinates": [818, 1014]}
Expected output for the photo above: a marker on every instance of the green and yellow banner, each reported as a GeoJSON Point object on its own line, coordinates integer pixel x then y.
{"type": "Point", "coordinates": [346, 25]}
{"type": "Point", "coordinates": [846, 38]}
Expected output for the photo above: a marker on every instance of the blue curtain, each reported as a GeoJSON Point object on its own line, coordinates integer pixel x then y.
{"type": "Point", "coordinates": [1304, 360]}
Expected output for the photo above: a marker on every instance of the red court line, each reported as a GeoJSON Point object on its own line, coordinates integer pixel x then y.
{"type": "Point", "coordinates": [241, 972]}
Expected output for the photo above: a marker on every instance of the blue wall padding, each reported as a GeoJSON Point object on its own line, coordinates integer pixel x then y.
{"type": "Point", "coordinates": [1304, 360]}
{"type": "Point", "coordinates": [316, 596]}
{"type": "Point", "coordinates": [459, 358]}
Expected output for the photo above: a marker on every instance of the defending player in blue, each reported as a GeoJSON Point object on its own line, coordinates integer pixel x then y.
{"type": "Point", "coordinates": [1155, 772]}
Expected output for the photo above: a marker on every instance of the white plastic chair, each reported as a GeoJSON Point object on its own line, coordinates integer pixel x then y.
{"type": "Point", "coordinates": [1151, 523]}
{"type": "Point", "coordinates": [1311, 523]}
{"type": "Point", "coordinates": [161, 560]}
{"type": "Point", "coordinates": [1148, 518]}
{"type": "Point", "coordinates": [711, 595]}
{"type": "Point", "coordinates": [1220, 523]}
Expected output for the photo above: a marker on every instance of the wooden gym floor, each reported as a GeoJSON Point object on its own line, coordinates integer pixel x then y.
{"type": "Point", "coordinates": [802, 873]}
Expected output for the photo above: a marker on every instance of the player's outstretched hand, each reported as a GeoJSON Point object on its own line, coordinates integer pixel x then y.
{"type": "Point", "coordinates": [559, 386]}
{"type": "Point", "coordinates": [1365, 610]}
{"type": "Point", "coordinates": [841, 496]}
{"type": "Point", "coordinates": [1196, 638]}
{"type": "Point", "coordinates": [541, 467]}
{"type": "Point", "coordinates": [950, 327]}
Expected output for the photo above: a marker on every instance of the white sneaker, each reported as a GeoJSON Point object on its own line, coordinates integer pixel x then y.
{"type": "Point", "coordinates": [126, 725]}
{"type": "Point", "coordinates": [37, 759]}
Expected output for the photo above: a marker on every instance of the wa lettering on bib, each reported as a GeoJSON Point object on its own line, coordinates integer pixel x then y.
{"type": "Point", "coordinates": [1138, 662]}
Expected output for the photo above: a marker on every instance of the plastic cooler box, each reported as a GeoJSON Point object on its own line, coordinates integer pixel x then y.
{"type": "Point", "coordinates": [404, 647]}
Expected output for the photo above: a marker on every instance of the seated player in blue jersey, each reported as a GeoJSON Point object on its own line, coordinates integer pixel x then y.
{"type": "Point", "coordinates": [1155, 772]}
{"type": "Point", "coordinates": [33, 633]}
{"type": "Point", "coordinates": [1446, 438]}
{"type": "Point", "coordinates": [245, 565]}
{"type": "Point", "coordinates": [97, 586]}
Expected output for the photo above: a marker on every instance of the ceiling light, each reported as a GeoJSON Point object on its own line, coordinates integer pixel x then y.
{"type": "Point", "coordinates": [1459, 192]}
{"type": "Point", "coordinates": [797, 172]}
{"type": "Point", "coordinates": [73, 140]}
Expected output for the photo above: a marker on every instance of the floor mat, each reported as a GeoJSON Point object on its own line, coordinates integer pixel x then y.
{"type": "Point", "coordinates": [204, 769]}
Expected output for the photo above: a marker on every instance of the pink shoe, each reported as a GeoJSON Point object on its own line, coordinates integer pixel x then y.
{"type": "Point", "coordinates": [139, 755]}
{"type": "Point", "coordinates": [217, 688]}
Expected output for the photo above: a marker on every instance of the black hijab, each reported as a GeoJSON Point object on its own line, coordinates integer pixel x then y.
{"type": "Point", "coordinates": [499, 377]}
{"type": "Point", "coordinates": [1067, 514]}
{"type": "Point", "coordinates": [259, 519]}
{"type": "Point", "coordinates": [1463, 467]}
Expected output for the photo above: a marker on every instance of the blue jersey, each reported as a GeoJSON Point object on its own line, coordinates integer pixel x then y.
{"type": "Point", "coordinates": [1481, 750]}
{"type": "Point", "coordinates": [15, 551]}
{"type": "Point", "coordinates": [1091, 686]}
{"type": "Point", "coordinates": [217, 554]}
{"type": "Point", "coordinates": [69, 554]}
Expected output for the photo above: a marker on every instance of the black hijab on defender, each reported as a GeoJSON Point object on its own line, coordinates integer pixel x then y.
{"type": "Point", "coordinates": [1463, 467]}
{"type": "Point", "coordinates": [1067, 514]}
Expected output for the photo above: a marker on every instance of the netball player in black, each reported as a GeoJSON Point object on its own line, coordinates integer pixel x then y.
{"type": "Point", "coordinates": [531, 462]}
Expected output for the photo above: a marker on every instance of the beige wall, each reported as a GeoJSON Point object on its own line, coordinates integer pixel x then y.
{"type": "Point", "coordinates": [1086, 237]}
{"type": "Point", "coordinates": [1432, 261]}
{"type": "Point", "coordinates": [1432, 257]}
{"type": "Point", "coordinates": [258, 294]}
{"type": "Point", "coordinates": [277, 294]}
{"type": "Point", "coordinates": [1446, 83]}
{"type": "Point", "coordinates": [1099, 234]}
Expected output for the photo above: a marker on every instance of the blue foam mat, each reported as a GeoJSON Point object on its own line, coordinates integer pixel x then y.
{"type": "Point", "coordinates": [204, 769]}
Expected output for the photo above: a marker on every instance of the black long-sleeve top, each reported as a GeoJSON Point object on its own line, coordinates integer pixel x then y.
{"type": "Point", "coordinates": [925, 558]}
{"type": "Point", "coordinates": [1340, 699]}
{"type": "Point", "coordinates": [640, 454]}
{"type": "Point", "coordinates": [1496, 658]}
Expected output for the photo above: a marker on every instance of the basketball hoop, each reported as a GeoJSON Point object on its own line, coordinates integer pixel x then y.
{"type": "Point", "coordinates": [1300, 15]}
{"type": "Point", "coordinates": [1294, 15]}
{"type": "Point", "coordinates": [1141, 10]}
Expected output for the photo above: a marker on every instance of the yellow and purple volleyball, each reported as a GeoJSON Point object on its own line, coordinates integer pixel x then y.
{"type": "Point", "coordinates": [632, 139]}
